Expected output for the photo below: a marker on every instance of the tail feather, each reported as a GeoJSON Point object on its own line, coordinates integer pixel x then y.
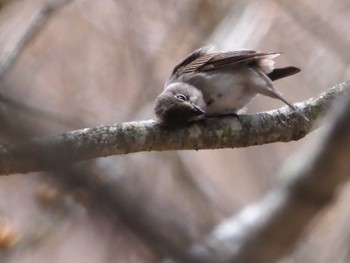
{"type": "Point", "coordinates": [265, 63]}
{"type": "Point", "coordinates": [280, 73]}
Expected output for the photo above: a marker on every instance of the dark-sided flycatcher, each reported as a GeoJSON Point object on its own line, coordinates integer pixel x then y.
{"type": "Point", "coordinates": [213, 83]}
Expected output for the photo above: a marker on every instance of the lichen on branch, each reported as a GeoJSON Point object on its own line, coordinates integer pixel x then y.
{"type": "Point", "coordinates": [282, 125]}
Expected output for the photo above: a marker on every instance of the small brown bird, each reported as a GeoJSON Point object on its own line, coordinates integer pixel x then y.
{"type": "Point", "coordinates": [213, 83]}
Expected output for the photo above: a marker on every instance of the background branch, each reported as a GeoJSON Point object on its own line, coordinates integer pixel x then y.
{"type": "Point", "coordinates": [10, 56]}
{"type": "Point", "coordinates": [86, 63]}
{"type": "Point", "coordinates": [265, 231]}
{"type": "Point", "coordinates": [275, 126]}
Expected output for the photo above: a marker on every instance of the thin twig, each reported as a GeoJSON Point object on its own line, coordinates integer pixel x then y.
{"type": "Point", "coordinates": [10, 56]}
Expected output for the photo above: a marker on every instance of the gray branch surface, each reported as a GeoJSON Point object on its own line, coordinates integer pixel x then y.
{"type": "Point", "coordinates": [264, 232]}
{"type": "Point", "coordinates": [280, 125]}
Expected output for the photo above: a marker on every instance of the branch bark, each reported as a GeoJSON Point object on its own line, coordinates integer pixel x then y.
{"type": "Point", "coordinates": [280, 125]}
{"type": "Point", "coordinates": [267, 230]}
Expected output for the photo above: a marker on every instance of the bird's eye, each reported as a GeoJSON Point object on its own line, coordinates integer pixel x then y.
{"type": "Point", "coordinates": [181, 97]}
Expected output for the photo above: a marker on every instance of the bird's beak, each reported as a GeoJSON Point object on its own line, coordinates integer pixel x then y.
{"type": "Point", "coordinates": [197, 109]}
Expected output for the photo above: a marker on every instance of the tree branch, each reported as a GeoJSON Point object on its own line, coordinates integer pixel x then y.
{"type": "Point", "coordinates": [9, 57]}
{"type": "Point", "coordinates": [265, 231]}
{"type": "Point", "coordinates": [280, 125]}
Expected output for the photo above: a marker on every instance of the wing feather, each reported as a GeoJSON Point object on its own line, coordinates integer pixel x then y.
{"type": "Point", "coordinates": [194, 60]}
{"type": "Point", "coordinates": [228, 60]}
{"type": "Point", "coordinates": [206, 59]}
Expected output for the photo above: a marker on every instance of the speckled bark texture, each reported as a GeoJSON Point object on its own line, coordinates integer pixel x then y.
{"type": "Point", "coordinates": [280, 125]}
{"type": "Point", "coordinates": [265, 231]}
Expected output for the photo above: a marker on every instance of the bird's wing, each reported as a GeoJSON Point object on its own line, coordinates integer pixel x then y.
{"type": "Point", "coordinates": [193, 61]}
{"type": "Point", "coordinates": [205, 59]}
{"type": "Point", "coordinates": [232, 59]}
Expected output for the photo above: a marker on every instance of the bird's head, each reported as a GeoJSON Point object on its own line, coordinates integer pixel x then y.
{"type": "Point", "coordinates": [179, 104]}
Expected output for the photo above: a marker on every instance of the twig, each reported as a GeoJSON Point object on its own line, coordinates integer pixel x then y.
{"type": "Point", "coordinates": [9, 57]}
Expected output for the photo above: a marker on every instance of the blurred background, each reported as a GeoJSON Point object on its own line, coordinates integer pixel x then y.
{"type": "Point", "coordinates": [101, 62]}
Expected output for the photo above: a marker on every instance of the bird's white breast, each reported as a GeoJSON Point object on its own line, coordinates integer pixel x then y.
{"type": "Point", "coordinates": [229, 92]}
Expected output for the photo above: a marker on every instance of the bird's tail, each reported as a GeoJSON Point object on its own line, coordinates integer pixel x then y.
{"type": "Point", "coordinates": [279, 73]}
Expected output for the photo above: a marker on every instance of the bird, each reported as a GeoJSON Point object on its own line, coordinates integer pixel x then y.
{"type": "Point", "coordinates": [210, 83]}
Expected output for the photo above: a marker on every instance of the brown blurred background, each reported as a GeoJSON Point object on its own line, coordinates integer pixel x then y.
{"type": "Point", "coordinates": [101, 62]}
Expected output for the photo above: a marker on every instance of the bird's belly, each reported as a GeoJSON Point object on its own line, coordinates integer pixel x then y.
{"type": "Point", "coordinates": [229, 104]}
{"type": "Point", "coordinates": [227, 94]}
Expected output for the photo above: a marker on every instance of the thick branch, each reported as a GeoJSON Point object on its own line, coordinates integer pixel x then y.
{"type": "Point", "coordinates": [227, 132]}
{"type": "Point", "coordinates": [265, 231]}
